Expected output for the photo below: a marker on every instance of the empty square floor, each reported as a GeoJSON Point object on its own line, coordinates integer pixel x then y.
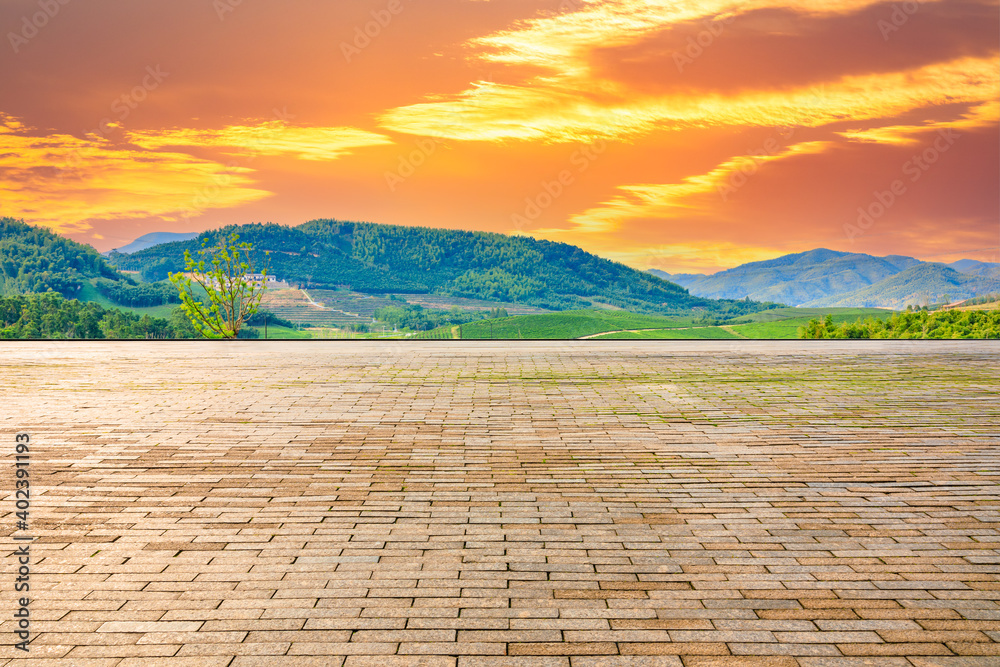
{"type": "Point", "coordinates": [577, 504]}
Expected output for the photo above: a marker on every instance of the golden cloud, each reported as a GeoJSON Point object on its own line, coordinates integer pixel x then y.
{"type": "Point", "coordinates": [664, 201]}
{"type": "Point", "coordinates": [64, 182]}
{"type": "Point", "coordinates": [560, 42]}
{"type": "Point", "coordinates": [270, 138]}
{"type": "Point", "coordinates": [568, 103]}
{"type": "Point", "coordinates": [983, 115]}
{"type": "Point", "coordinates": [495, 112]}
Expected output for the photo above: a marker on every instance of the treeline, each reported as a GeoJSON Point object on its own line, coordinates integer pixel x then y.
{"type": "Point", "coordinates": [417, 318]}
{"type": "Point", "coordinates": [920, 324]}
{"type": "Point", "coordinates": [135, 295]}
{"type": "Point", "coordinates": [51, 316]}
{"type": "Point", "coordinates": [159, 269]}
{"type": "Point", "coordinates": [33, 259]}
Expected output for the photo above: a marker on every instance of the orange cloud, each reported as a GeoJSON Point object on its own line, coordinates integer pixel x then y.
{"type": "Point", "coordinates": [559, 43]}
{"type": "Point", "coordinates": [515, 89]}
{"type": "Point", "coordinates": [270, 138]}
{"type": "Point", "coordinates": [494, 112]}
{"type": "Point", "coordinates": [65, 182]}
{"type": "Point", "coordinates": [662, 201]}
{"type": "Point", "coordinates": [983, 115]}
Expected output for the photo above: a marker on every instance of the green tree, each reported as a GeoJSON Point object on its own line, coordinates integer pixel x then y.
{"type": "Point", "coordinates": [233, 296]}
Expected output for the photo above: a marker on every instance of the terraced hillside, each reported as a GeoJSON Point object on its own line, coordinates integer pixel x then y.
{"type": "Point", "coordinates": [445, 302]}
{"type": "Point", "coordinates": [294, 306]}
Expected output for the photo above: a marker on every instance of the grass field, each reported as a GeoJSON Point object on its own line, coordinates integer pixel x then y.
{"type": "Point", "coordinates": [711, 333]}
{"type": "Point", "coordinates": [568, 324]}
{"type": "Point", "coordinates": [283, 333]}
{"type": "Point", "coordinates": [90, 293]}
{"type": "Point", "coordinates": [621, 325]}
{"type": "Point", "coordinates": [779, 314]}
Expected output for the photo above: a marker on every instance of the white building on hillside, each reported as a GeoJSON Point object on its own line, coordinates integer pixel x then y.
{"type": "Point", "coordinates": [270, 282]}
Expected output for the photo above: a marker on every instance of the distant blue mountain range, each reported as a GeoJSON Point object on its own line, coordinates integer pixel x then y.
{"type": "Point", "coordinates": [155, 238]}
{"type": "Point", "coordinates": [824, 277]}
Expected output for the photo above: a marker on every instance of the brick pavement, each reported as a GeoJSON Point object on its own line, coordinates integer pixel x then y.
{"type": "Point", "coordinates": [596, 504]}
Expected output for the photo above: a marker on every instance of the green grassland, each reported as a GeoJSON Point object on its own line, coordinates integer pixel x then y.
{"type": "Point", "coordinates": [566, 325]}
{"type": "Point", "coordinates": [89, 293]}
{"type": "Point", "coordinates": [621, 325]}
{"type": "Point", "coordinates": [711, 333]}
{"type": "Point", "coordinates": [282, 333]}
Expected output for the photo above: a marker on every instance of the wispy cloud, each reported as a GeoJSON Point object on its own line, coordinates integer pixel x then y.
{"type": "Point", "coordinates": [560, 43]}
{"type": "Point", "coordinates": [495, 112]}
{"type": "Point", "coordinates": [983, 115]}
{"type": "Point", "coordinates": [269, 138]}
{"type": "Point", "coordinates": [691, 196]}
{"type": "Point", "coordinates": [66, 182]}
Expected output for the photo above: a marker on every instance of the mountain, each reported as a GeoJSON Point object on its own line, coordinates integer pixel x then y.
{"type": "Point", "coordinates": [976, 268]}
{"type": "Point", "coordinates": [919, 285]}
{"type": "Point", "coordinates": [34, 259]}
{"type": "Point", "coordinates": [828, 277]}
{"type": "Point", "coordinates": [155, 238]}
{"type": "Point", "coordinates": [374, 258]}
{"type": "Point", "coordinates": [795, 279]}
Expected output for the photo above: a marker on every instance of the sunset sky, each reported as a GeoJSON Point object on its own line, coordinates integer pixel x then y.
{"type": "Point", "coordinates": [681, 135]}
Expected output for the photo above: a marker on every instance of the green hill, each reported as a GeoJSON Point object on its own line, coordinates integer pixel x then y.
{"type": "Point", "coordinates": [383, 259]}
{"type": "Point", "coordinates": [34, 260]}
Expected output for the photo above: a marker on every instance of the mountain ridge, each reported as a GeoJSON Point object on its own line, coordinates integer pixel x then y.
{"type": "Point", "coordinates": [153, 239]}
{"type": "Point", "coordinates": [930, 282]}
{"type": "Point", "coordinates": [826, 277]}
{"type": "Point", "coordinates": [375, 258]}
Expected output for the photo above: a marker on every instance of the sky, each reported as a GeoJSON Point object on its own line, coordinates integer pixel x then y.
{"type": "Point", "coordinates": [679, 135]}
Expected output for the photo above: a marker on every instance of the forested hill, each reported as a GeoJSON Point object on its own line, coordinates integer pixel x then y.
{"type": "Point", "coordinates": [33, 259]}
{"type": "Point", "coordinates": [383, 258]}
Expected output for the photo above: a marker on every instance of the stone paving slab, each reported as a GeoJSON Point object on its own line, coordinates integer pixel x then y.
{"type": "Point", "coordinates": [599, 504]}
